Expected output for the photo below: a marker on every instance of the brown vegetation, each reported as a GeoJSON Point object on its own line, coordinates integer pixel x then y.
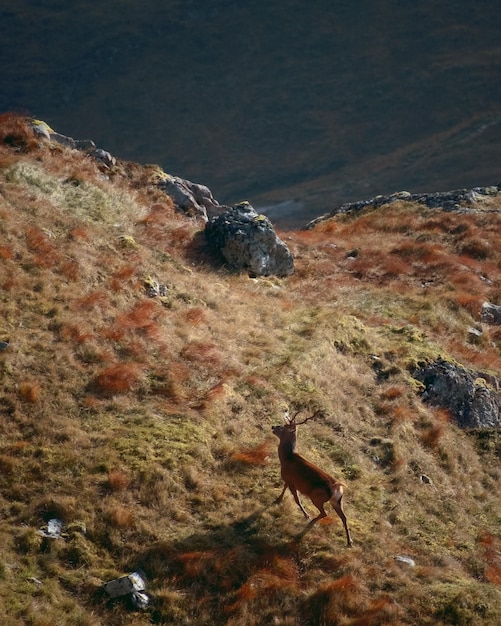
{"type": "Point", "coordinates": [144, 423]}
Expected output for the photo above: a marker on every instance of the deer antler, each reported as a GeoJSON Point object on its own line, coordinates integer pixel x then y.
{"type": "Point", "coordinates": [292, 420]}
{"type": "Point", "coordinates": [307, 419]}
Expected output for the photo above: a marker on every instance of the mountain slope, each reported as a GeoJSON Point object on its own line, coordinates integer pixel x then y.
{"type": "Point", "coordinates": [142, 378]}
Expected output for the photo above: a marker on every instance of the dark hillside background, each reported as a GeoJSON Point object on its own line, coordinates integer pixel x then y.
{"type": "Point", "coordinates": [304, 105]}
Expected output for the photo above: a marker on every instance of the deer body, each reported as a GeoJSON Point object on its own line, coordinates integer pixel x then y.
{"type": "Point", "coordinates": [300, 475]}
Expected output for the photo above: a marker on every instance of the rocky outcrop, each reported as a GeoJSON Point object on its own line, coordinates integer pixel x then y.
{"type": "Point", "coordinates": [471, 397]}
{"type": "Point", "coordinates": [247, 241]}
{"type": "Point", "coordinates": [44, 131]}
{"type": "Point", "coordinates": [456, 200]}
{"type": "Point", "coordinates": [192, 199]}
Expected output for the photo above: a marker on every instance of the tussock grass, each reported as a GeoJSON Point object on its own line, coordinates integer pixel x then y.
{"type": "Point", "coordinates": [144, 423]}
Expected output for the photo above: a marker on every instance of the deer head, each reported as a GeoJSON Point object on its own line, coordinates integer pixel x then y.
{"type": "Point", "coordinates": [287, 432]}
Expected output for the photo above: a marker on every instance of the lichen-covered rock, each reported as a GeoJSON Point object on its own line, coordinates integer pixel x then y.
{"type": "Point", "coordinates": [491, 314]}
{"type": "Point", "coordinates": [192, 199]}
{"type": "Point", "coordinates": [247, 241]}
{"type": "Point", "coordinates": [44, 131]}
{"type": "Point", "coordinates": [472, 401]}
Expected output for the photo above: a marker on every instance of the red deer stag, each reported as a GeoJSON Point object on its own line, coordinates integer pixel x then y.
{"type": "Point", "coordinates": [300, 475]}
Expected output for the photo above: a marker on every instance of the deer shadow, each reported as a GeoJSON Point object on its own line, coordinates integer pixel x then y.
{"type": "Point", "coordinates": [219, 557]}
{"type": "Point", "coordinates": [223, 567]}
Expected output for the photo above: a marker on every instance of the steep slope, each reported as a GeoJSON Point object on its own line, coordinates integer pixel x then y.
{"type": "Point", "coordinates": [141, 381]}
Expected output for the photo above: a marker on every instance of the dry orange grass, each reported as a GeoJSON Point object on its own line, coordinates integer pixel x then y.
{"type": "Point", "coordinates": [121, 517]}
{"type": "Point", "coordinates": [143, 317]}
{"type": "Point", "coordinates": [203, 353]}
{"type": "Point", "coordinates": [93, 300]}
{"type": "Point", "coordinates": [118, 480]}
{"type": "Point", "coordinates": [469, 301]}
{"type": "Point", "coordinates": [492, 554]}
{"type": "Point", "coordinates": [256, 455]}
{"type": "Point", "coordinates": [195, 316]}
{"type": "Point", "coordinates": [337, 601]}
{"type": "Point", "coordinates": [78, 332]}
{"type": "Point", "coordinates": [118, 378]}
{"type": "Point", "coordinates": [30, 391]}
{"type": "Point", "coordinates": [15, 133]}
{"type": "Point", "coordinates": [39, 243]}
{"type": "Point", "coordinates": [432, 435]}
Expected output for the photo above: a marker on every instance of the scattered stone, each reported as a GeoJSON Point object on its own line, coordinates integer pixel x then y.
{"type": "Point", "coordinates": [472, 401]}
{"type": "Point", "coordinates": [127, 241]}
{"type": "Point", "coordinates": [104, 157]}
{"type": "Point", "coordinates": [425, 479]}
{"type": "Point", "coordinates": [3, 345]}
{"type": "Point", "coordinates": [53, 530]}
{"type": "Point", "coordinates": [474, 335]}
{"type": "Point", "coordinates": [133, 584]}
{"type": "Point", "coordinates": [491, 314]}
{"type": "Point", "coordinates": [406, 560]}
{"type": "Point", "coordinates": [153, 288]}
{"type": "Point", "coordinates": [248, 242]}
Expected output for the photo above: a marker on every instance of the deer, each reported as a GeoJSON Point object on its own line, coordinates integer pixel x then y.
{"type": "Point", "coordinates": [300, 475]}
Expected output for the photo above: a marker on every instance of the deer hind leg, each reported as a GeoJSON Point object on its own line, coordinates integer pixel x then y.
{"type": "Point", "coordinates": [319, 498]}
{"type": "Point", "coordinates": [338, 507]}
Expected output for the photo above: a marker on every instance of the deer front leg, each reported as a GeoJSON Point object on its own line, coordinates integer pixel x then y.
{"type": "Point", "coordinates": [280, 497]}
{"type": "Point", "coordinates": [298, 501]}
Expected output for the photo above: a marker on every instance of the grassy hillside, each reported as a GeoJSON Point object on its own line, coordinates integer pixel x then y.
{"type": "Point", "coordinates": [144, 423]}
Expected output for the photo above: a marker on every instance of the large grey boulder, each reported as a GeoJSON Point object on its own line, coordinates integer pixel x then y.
{"type": "Point", "coordinates": [247, 241]}
{"type": "Point", "coordinates": [470, 396]}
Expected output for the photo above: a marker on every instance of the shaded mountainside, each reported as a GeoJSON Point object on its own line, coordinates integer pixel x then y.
{"type": "Point", "coordinates": [325, 102]}
{"type": "Point", "coordinates": [140, 378]}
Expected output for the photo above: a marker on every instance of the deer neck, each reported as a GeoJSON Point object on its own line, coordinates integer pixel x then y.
{"type": "Point", "coordinates": [287, 448]}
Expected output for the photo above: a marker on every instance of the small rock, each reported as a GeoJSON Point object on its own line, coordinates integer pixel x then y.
{"type": "Point", "coordinates": [103, 157]}
{"type": "Point", "coordinates": [406, 560]}
{"type": "Point", "coordinates": [54, 528]}
{"type": "Point", "coordinates": [133, 584]}
{"type": "Point", "coordinates": [491, 314]}
{"type": "Point", "coordinates": [474, 332]}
